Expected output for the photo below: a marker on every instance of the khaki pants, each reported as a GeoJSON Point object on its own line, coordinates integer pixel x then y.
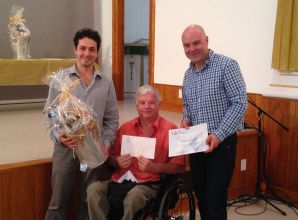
{"type": "Point", "coordinates": [98, 204]}
{"type": "Point", "coordinates": [64, 171]}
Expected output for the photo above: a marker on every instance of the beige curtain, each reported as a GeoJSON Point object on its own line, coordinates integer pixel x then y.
{"type": "Point", "coordinates": [285, 48]}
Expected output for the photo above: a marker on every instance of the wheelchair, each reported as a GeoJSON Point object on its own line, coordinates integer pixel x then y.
{"type": "Point", "coordinates": [174, 201]}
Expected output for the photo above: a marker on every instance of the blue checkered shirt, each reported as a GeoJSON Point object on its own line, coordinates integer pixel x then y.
{"type": "Point", "coordinates": [215, 95]}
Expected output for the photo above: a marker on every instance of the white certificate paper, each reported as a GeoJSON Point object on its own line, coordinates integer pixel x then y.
{"type": "Point", "coordinates": [188, 140]}
{"type": "Point", "coordinates": [138, 146]}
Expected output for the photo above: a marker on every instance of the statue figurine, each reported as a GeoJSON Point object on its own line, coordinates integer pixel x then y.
{"type": "Point", "coordinates": [19, 33]}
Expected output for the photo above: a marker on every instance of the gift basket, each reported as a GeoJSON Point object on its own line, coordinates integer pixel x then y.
{"type": "Point", "coordinates": [70, 116]}
{"type": "Point", "coordinates": [19, 34]}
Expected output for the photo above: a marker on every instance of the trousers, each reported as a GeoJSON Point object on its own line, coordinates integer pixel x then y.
{"type": "Point", "coordinates": [211, 174]}
{"type": "Point", "coordinates": [65, 169]}
{"type": "Point", "coordinates": [136, 199]}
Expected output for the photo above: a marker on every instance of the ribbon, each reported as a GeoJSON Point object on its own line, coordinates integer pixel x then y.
{"type": "Point", "coordinates": [16, 20]}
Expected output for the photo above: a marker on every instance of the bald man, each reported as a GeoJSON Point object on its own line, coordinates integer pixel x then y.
{"type": "Point", "coordinates": [213, 92]}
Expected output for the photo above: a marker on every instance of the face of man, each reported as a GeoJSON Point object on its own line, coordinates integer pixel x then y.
{"type": "Point", "coordinates": [147, 106]}
{"type": "Point", "coordinates": [195, 44]}
{"type": "Point", "coordinates": [86, 52]}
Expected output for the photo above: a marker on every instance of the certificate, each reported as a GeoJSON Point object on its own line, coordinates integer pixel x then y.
{"type": "Point", "coordinates": [138, 146]}
{"type": "Point", "coordinates": [188, 140]}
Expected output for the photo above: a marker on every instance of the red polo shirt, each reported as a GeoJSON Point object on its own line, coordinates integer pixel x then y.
{"type": "Point", "coordinates": [161, 133]}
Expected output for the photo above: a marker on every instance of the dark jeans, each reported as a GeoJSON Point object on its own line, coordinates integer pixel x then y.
{"type": "Point", "coordinates": [211, 174]}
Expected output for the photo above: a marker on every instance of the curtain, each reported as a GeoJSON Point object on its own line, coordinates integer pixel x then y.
{"type": "Point", "coordinates": [285, 47]}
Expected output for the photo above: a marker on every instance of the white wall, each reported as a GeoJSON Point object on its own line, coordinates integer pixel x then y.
{"type": "Point", "coordinates": [103, 23]}
{"type": "Point", "coordinates": [243, 30]}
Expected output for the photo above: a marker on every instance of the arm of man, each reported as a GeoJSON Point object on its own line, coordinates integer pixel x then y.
{"type": "Point", "coordinates": [148, 165]}
{"type": "Point", "coordinates": [111, 118]}
{"type": "Point", "coordinates": [236, 92]}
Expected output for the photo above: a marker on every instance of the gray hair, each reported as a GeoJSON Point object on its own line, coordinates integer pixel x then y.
{"type": "Point", "coordinates": [143, 90]}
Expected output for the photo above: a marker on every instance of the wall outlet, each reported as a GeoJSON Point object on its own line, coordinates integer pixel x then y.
{"type": "Point", "coordinates": [243, 165]}
{"type": "Point", "coordinates": [180, 93]}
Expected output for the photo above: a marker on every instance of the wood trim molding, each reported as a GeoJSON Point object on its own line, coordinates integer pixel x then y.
{"type": "Point", "coordinates": [288, 73]}
{"type": "Point", "coordinates": [151, 42]}
{"type": "Point", "coordinates": [15, 166]}
{"type": "Point", "coordinates": [118, 47]}
{"type": "Point", "coordinates": [284, 86]}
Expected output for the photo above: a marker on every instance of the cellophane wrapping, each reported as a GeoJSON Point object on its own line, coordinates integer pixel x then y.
{"type": "Point", "coordinates": [19, 34]}
{"type": "Point", "coordinates": [69, 115]}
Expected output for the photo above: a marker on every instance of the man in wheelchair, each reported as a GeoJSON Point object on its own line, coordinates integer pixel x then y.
{"type": "Point", "coordinates": [102, 195]}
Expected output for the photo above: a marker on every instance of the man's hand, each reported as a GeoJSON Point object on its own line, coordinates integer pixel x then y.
{"type": "Point", "coordinates": [124, 161]}
{"type": "Point", "coordinates": [145, 164]}
{"type": "Point", "coordinates": [68, 141]}
{"type": "Point", "coordinates": [185, 124]}
{"type": "Point", "coordinates": [213, 142]}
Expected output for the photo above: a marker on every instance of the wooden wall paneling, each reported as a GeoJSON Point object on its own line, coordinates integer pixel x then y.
{"type": "Point", "coordinates": [169, 96]}
{"type": "Point", "coordinates": [293, 146]}
{"type": "Point", "coordinates": [42, 189]}
{"type": "Point", "coordinates": [244, 181]}
{"type": "Point", "coordinates": [151, 42]}
{"type": "Point", "coordinates": [5, 196]}
{"type": "Point", "coordinates": [1, 198]}
{"type": "Point", "coordinates": [23, 195]}
{"type": "Point", "coordinates": [294, 149]}
{"type": "Point", "coordinates": [281, 164]}
{"type": "Point", "coordinates": [278, 142]}
{"type": "Point", "coordinates": [25, 190]}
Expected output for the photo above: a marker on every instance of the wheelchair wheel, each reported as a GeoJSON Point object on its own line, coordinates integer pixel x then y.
{"type": "Point", "coordinates": [177, 203]}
